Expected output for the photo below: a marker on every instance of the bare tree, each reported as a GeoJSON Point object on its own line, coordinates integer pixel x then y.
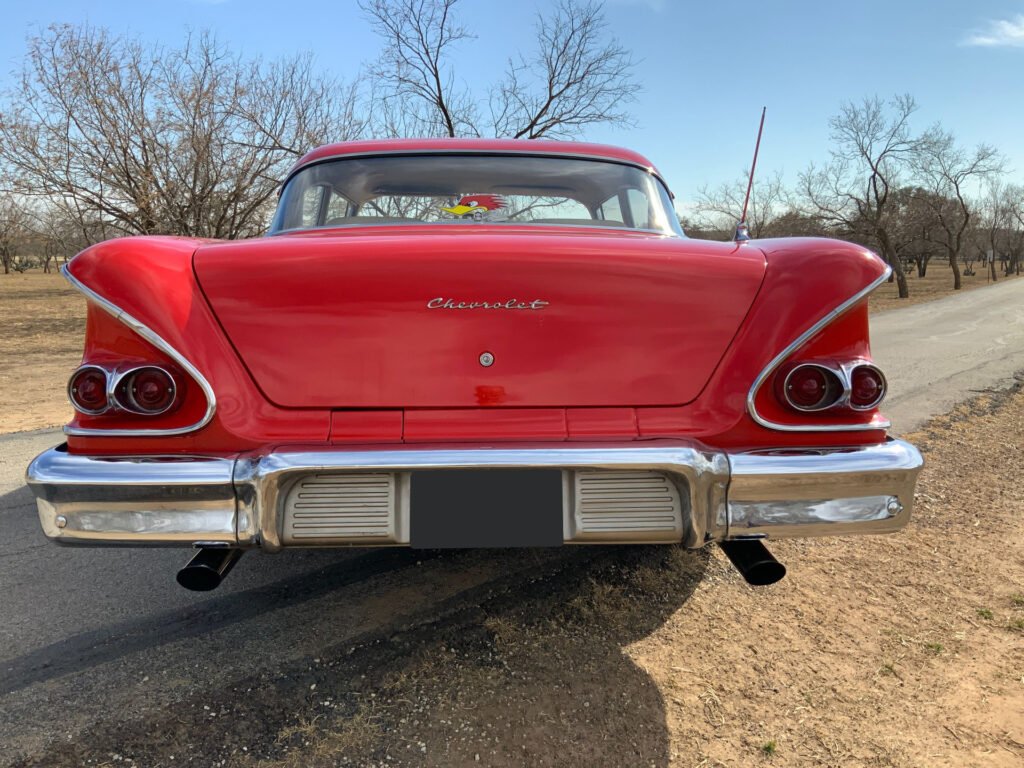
{"type": "Point", "coordinates": [874, 147]}
{"type": "Point", "coordinates": [948, 172]}
{"type": "Point", "coordinates": [137, 140]}
{"type": "Point", "coordinates": [579, 76]}
{"type": "Point", "coordinates": [994, 218]}
{"type": "Point", "coordinates": [721, 208]}
{"type": "Point", "coordinates": [1014, 195]}
{"type": "Point", "coordinates": [14, 231]}
{"type": "Point", "coordinates": [912, 226]}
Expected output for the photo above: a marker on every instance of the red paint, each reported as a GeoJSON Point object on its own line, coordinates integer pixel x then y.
{"type": "Point", "coordinates": [366, 427]}
{"type": "Point", "coordinates": [479, 424]}
{"type": "Point", "coordinates": [341, 320]}
{"type": "Point", "coordinates": [644, 336]}
{"type": "Point", "coordinates": [601, 423]}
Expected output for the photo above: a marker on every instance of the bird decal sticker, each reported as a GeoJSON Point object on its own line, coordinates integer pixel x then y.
{"type": "Point", "coordinates": [476, 206]}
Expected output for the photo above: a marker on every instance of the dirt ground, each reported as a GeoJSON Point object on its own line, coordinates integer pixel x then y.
{"type": "Point", "coordinates": [938, 282]}
{"type": "Point", "coordinates": [904, 651]}
{"type": "Point", "coordinates": [42, 324]}
{"type": "Point", "coordinates": [42, 321]}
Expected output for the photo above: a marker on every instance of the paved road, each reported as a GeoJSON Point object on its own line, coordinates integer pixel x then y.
{"type": "Point", "coordinates": [85, 625]}
{"type": "Point", "coordinates": [945, 351]}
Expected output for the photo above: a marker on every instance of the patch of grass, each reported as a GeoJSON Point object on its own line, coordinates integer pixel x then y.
{"type": "Point", "coordinates": [769, 748]}
{"type": "Point", "coordinates": [315, 742]}
{"type": "Point", "coordinates": [986, 614]}
{"type": "Point", "coordinates": [935, 648]}
{"type": "Point", "coordinates": [504, 633]}
{"type": "Point", "coordinates": [1017, 600]}
{"type": "Point", "coordinates": [1017, 625]}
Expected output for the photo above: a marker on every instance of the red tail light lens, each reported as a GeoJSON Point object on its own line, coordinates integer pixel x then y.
{"type": "Point", "coordinates": [867, 387]}
{"type": "Point", "coordinates": [812, 388]}
{"type": "Point", "coordinates": [87, 390]}
{"type": "Point", "coordinates": [148, 391]}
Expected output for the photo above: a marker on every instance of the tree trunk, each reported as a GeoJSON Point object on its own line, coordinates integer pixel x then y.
{"type": "Point", "coordinates": [894, 261]}
{"type": "Point", "coordinates": [992, 270]}
{"type": "Point", "coordinates": [955, 266]}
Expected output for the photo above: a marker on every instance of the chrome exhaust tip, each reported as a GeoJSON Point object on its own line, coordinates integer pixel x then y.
{"type": "Point", "coordinates": [754, 562]}
{"type": "Point", "coordinates": [207, 568]}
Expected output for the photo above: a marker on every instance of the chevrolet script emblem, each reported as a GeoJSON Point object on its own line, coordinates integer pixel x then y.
{"type": "Point", "coordinates": [442, 303]}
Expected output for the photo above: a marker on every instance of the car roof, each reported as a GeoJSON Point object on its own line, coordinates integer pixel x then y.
{"type": "Point", "coordinates": [526, 146]}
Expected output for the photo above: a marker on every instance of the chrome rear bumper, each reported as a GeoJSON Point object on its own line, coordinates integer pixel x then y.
{"type": "Point", "coordinates": [250, 501]}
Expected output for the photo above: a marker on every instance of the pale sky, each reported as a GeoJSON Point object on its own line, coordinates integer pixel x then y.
{"type": "Point", "coordinates": [706, 68]}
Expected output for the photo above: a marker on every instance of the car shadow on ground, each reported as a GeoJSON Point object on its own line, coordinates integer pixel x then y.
{"type": "Point", "coordinates": [529, 664]}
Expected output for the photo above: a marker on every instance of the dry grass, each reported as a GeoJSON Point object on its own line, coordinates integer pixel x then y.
{"type": "Point", "coordinates": [936, 284]}
{"type": "Point", "coordinates": [42, 325]}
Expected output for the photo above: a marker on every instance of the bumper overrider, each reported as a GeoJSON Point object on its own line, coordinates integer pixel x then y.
{"type": "Point", "coordinates": [648, 492]}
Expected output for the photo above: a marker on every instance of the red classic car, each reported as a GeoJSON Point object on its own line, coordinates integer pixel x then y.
{"type": "Point", "coordinates": [473, 343]}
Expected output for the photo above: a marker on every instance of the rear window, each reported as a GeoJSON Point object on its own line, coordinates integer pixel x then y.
{"type": "Point", "coordinates": [467, 189]}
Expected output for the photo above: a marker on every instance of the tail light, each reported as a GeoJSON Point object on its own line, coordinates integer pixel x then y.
{"type": "Point", "coordinates": [811, 387]}
{"type": "Point", "coordinates": [867, 387]}
{"type": "Point", "coordinates": [147, 391]}
{"type": "Point", "coordinates": [87, 390]}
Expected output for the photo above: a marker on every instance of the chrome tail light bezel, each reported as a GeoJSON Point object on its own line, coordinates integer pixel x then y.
{"type": "Point", "coordinates": [71, 390]}
{"type": "Point", "coordinates": [124, 399]}
{"type": "Point", "coordinates": [839, 390]}
{"type": "Point", "coordinates": [883, 391]}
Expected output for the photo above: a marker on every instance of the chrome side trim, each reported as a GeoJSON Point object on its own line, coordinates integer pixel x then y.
{"type": "Point", "coordinates": [800, 340]}
{"type": "Point", "coordinates": [157, 341]}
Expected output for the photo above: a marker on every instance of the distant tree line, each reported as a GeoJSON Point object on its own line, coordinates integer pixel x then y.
{"type": "Point", "coordinates": [912, 196]}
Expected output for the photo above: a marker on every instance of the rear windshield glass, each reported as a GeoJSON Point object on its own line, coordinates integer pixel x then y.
{"type": "Point", "coordinates": [453, 189]}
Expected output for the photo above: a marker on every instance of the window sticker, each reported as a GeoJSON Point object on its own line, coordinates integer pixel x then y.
{"type": "Point", "coordinates": [479, 208]}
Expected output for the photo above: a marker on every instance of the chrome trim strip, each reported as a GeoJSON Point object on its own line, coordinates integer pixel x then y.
{"type": "Point", "coordinates": [780, 358]}
{"type": "Point", "coordinates": [153, 338]}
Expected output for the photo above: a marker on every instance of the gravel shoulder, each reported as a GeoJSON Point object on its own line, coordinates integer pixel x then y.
{"type": "Point", "coordinates": [906, 650]}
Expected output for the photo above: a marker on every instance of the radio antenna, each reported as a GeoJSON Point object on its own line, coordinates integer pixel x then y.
{"type": "Point", "coordinates": [742, 233]}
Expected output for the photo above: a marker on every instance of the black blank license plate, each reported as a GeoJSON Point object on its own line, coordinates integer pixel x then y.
{"type": "Point", "coordinates": [458, 508]}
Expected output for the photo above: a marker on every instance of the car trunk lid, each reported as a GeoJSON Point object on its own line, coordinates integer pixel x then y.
{"type": "Point", "coordinates": [464, 316]}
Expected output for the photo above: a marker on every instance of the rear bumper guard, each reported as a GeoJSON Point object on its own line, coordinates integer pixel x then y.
{"type": "Point", "coordinates": [699, 495]}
